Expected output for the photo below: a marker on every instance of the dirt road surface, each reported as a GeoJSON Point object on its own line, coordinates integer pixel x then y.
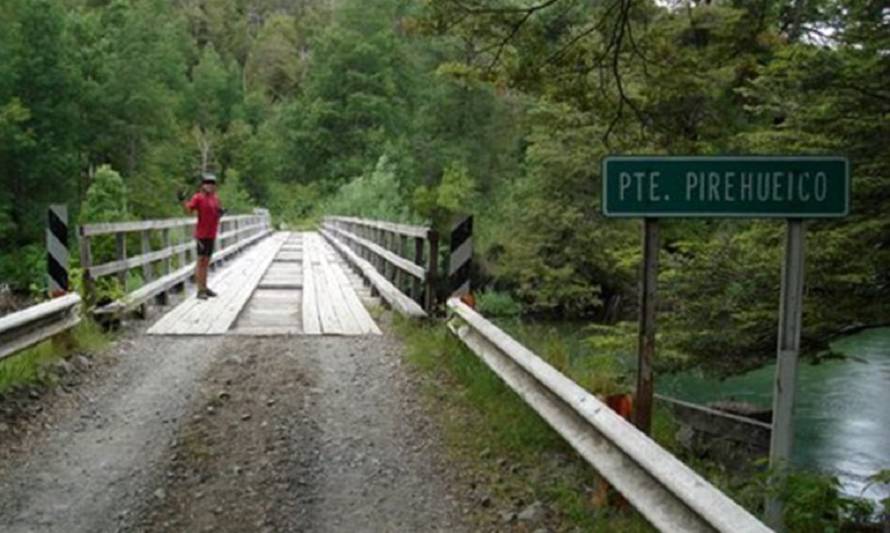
{"type": "Point", "coordinates": [231, 434]}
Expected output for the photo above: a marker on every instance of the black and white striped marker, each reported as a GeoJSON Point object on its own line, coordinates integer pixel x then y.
{"type": "Point", "coordinates": [57, 249]}
{"type": "Point", "coordinates": [461, 253]}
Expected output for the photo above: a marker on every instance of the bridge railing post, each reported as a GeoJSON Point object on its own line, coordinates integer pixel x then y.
{"type": "Point", "coordinates": [386, 248]}
{"type": "Point", "coordinates": [432, 272]}
{"type": "Point", "coordinates": [400, 282]}
{"type": "Point", "coordinates": [416, 286]}
{"type": "Point", "coordinates": [121, 255]}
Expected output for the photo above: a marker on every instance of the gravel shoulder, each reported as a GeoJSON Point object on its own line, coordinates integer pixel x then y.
{"type": "Point", "coordinates": [91, 457]}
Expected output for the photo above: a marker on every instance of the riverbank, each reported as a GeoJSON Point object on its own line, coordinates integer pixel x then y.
{"type": "Point", "coordinates": [602, 359]}
{"type": "Point", "coordinates": [841, 424]}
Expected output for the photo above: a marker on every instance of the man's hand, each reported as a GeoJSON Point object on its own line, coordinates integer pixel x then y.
{"type": "Point", "coordinates": [181, 194]}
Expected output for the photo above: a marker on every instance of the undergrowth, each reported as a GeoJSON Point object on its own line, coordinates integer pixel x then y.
{"type": "Point", "coordinates": [32, 366]}
{"type": "Point", "coordinates": [485, 421]}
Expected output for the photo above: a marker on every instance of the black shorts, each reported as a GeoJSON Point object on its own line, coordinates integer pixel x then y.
{"type": "Point", "coordinates": [205, 247]}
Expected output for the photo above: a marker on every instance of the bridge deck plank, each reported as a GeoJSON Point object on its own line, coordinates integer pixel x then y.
{"type": "Point", "coordinates": [260, 295]}
{"type": "Point", "coordinates": [233, 305]}
{"type": "Point", "coordinates": [351, 324]}
{"type": "Point", "coordinates": [350, 298]}
{"type": "Point", "coordinates": [311, 322]}
{"type": "Point", "coordinates": [235, 285]}
{"type": "Point", "coordinates": [330, 322]}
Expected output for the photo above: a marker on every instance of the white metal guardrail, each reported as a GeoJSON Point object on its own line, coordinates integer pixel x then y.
{"type": "Point", "coordinates": [669, 494]}
{"type": "Point", "coordinates": [37, 323]}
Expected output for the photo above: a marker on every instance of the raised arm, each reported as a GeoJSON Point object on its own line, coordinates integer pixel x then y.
{"type": "Point", "coordinates": [188, 205]}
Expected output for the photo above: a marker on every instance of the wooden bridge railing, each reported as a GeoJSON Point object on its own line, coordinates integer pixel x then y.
{"type": "Point", "coordinates": [166, 255]}
{"type": "Point", "coordinates": [405, 258]}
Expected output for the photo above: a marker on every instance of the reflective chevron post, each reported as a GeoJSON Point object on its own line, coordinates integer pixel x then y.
{"type": "Point", "coordinates": [57, 249]}
{"type": "Point", "coordinates": [461, 254]}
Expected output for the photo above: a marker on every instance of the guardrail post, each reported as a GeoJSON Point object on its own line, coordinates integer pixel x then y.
{"type": "Point", "coordinates": [375, 238]}
{"type": "Point", "coordinates": [220, 243]}
{"type": "Point", "coordinates": [365, 232]}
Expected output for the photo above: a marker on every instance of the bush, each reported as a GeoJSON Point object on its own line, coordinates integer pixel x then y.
{"type": "Point", "coordinates": [294, 203]}
{"type": "Point", "coordinates": [106, 199]}
{"type": "Point", "coordinates": [375, 196]}
{"type": "Point", "coordinates": [233, 196]}
{"type": "Point", "coordinates": [497, 304]}
{"type": "Point", "coordinates": [24, 269]}
{"type": "Point", "coordinates": [814, 503]}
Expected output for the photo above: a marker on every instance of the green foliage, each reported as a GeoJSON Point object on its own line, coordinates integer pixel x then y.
{"type": "Point", "coordinates": [497, 304]}
{"type": "Point", "coordinates": [106, 199]}
{"type": "Point", "coordinates": [484, 419]}
{"type": "Point", "coordinates": [374, 195]}
{"type": "Point", "coordinates": [814, 503]}
{"type": "Point", "coordinates": [882, 478]}
{"type": "Point", "coordinates": [33, 366]}
{"type": "Point", "coordinates": [25, 269]}
{"type": "Point", "coordinates": [295, 203]}
{"type": "Point", "coordinates": [454, 194]}
{"type": "Point", "coordinates": [563, 257]}
{"type": "Point", "coordinates": [233, 196]}
{"type": "Point", "coordinates": [417, 111]}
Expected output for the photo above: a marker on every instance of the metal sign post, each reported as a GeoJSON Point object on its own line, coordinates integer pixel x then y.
{"type": "Point", "coordinates": [790, 313]}
{"type": "Point", "coordinates": [642, 411]}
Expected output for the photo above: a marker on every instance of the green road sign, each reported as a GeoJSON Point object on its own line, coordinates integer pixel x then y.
{"type": "Point", "coordinates": [754, 187]}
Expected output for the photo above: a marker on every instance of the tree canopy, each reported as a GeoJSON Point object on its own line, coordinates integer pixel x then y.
{"type": "Point", "coordinates": [414, 110]}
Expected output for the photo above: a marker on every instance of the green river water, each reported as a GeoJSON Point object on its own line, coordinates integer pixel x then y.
{"type": "Point", "coordinates": [842, 406]}
{"type": "Point", "coordinates": [841, 414]}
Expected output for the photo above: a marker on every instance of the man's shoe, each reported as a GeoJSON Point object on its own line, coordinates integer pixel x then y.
{"type": "Point", "coordinates": [202, 295]}
{"type": "Point", "coordinates": [209, 292]}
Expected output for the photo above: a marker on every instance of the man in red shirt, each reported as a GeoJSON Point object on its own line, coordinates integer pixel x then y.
{"type": "Point", "coordinates": [206, 204]}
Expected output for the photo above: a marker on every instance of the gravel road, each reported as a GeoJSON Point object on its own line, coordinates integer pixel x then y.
{"type": "Point", "coordinates": [233, 434]}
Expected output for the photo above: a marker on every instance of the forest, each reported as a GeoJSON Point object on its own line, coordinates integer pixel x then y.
{"type": "Point", "coordinates": [414, 110]}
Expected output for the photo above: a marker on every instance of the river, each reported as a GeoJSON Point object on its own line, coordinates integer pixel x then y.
{"type": "Point", "coordinates": [842, 408]}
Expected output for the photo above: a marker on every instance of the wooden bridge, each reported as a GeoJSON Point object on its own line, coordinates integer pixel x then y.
{"type": "Point", "coordinates": [273, 283]}
{"type": "Point", "coordinates": [319, 283]}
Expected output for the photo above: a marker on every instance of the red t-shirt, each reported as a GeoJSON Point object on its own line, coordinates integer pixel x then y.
{"type": "Point", "coordinates": [207, 206]}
